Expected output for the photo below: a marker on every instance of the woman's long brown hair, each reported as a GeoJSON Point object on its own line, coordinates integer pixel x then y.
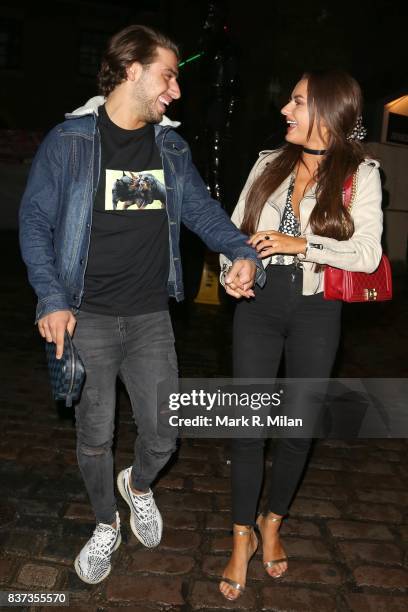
{"type": "Point", "coordinates": [333, 97]}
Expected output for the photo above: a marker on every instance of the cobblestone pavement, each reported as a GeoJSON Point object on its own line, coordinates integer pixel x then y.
{"type": "Point", "coordinates": [347, 531]}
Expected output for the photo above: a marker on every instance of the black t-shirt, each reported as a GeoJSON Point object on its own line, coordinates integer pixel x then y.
{"type": "Point", "coordinates": [128, 260]}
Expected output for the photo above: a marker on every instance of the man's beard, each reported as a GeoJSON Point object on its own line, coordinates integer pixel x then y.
{"type": "Point", "coordinates": [147, 107]}
{"type": "Point", "coordinates": [150, 113]}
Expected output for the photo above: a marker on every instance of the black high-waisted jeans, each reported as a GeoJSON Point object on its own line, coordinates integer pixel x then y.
{"type": "Point", "coordinates": [305, 330]}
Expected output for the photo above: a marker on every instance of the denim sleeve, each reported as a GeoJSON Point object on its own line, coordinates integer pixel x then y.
{"type": "Point", "coordinates": [37, 219]}
{"type": "Point", "coordinates": [205, 216]}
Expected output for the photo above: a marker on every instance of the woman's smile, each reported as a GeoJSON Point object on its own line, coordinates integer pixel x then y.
{"type": "Point", "coordinates": [291, 125]}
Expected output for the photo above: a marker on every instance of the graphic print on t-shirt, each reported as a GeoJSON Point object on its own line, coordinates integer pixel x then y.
{"type": "Point", "coordinates": [128, 190]}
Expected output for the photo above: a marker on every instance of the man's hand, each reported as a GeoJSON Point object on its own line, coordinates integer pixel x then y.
{"type": "Point", "coordinates": [52, 327]}
{"type": "Point", "coordinates": [271, 242]}
{"type": "Point", "coordinates": [240, 278]}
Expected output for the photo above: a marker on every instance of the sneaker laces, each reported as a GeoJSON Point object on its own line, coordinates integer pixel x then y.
{"type": "Point", "coordinates": [102, 540]}
{"type": "Point", "coordinates": [144, 506]}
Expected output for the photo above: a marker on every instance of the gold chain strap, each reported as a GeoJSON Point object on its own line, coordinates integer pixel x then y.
{"type": "Point", "coordinates": [353, 190]}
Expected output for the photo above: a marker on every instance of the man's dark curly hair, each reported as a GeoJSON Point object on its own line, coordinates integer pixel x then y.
{"type": "Point", "coordinates": [136, 43]}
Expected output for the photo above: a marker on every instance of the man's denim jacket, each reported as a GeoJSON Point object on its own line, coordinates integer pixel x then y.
{"type": "Point", "coordinates": [56, 210]}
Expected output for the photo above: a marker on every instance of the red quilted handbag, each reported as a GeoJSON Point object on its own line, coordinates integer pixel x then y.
{"type": "Point", "coordinates": [358, 286]}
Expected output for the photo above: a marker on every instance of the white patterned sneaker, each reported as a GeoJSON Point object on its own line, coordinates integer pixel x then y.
{"type": "Point", "coordinates": [93, 562]}
{"type": "Point", "coordinates": [145, 519]}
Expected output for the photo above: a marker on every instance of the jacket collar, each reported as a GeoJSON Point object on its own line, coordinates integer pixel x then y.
{"type": "Point", "coordinates": [92, 105]}
{"type": "Point", "coordinates": [280, 194]}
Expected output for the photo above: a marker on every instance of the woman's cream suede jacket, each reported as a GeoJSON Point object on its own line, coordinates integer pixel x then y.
{"type": "Point", "coordinates": [361, 253]}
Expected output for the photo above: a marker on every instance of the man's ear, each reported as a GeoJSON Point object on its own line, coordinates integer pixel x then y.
{"type": "Point", "coordinates": [134, 71]}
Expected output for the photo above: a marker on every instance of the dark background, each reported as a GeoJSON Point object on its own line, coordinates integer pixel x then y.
{"type": "Point", "coordinates": [49, 53]}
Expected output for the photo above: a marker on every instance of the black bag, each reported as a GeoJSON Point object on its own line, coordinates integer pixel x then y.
{"type": "Point", "coordinates": [66, 374]}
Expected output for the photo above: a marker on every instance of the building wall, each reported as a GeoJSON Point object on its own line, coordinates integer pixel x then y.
{"type": "Point", "coordinates": [394, 164]}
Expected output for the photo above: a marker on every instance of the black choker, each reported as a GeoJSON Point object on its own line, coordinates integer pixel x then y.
{"type": "Point", "coordinates": [315, 151]}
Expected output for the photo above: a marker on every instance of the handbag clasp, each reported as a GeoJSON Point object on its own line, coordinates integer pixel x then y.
{"type": "Point", "coordinates": [370, 294]}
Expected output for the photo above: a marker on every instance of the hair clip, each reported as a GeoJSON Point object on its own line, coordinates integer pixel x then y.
{"type": "Point", "coordinates": [358, 132]}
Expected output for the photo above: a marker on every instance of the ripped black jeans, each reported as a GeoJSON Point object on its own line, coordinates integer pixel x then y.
{"type": "Point", "coordinates": [140, 350]}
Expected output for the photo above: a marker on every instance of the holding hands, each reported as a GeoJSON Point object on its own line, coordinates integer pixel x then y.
{"type": "Point", "coordinates": [270, 242]}
{"type": "Point", "coordinates": [240, 278]}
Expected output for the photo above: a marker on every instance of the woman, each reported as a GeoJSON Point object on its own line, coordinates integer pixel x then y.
{"type": "Point", "coordinates": [292, 208]}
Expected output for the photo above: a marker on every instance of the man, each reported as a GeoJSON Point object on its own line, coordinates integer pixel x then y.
{"type": "Point", "coordinates": [101, 245]}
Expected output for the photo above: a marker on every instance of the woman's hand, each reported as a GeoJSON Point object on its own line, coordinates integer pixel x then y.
{"type": "Point", "coordinates": [240, 278]}
{"type": "Point", "coordinates": [270, 242]}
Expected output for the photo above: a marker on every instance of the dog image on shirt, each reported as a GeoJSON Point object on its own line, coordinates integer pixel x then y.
{"type": "Point", "coordinates": [137, 189]}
